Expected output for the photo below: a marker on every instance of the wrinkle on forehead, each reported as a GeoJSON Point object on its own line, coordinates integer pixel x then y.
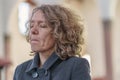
{"type": "Point", "coordinates": [38, 16]}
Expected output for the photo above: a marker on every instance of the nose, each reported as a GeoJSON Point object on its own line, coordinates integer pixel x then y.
{"type": "Point", "coordinates": [34, 30]}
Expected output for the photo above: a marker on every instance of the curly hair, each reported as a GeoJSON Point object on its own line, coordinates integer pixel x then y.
{"type": "Point", "coordinates": [67, 29]}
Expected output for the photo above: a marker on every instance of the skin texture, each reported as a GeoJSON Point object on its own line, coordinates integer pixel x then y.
{"type": "Point", "coordinates": [41, 38]}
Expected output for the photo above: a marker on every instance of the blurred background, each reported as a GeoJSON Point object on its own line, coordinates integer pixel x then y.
{"type": "Point", "coordinates": [102, 34]}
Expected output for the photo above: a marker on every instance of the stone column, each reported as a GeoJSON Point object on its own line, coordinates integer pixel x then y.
{"type": "Point", "coordinates": [107, 24]}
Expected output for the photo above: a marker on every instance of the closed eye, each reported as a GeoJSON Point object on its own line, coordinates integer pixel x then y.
{"type": "Point", "coordinates": [31, 25]}
{"type": "Point", "coordinates": [43, 26]}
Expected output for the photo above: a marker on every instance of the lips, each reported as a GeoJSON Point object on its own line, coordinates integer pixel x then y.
{"type": "Point", "coordinates": [34, 40]}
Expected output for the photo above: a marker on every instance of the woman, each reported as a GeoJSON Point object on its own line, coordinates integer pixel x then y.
{"type": "Point", "coordinates": [55, 36]}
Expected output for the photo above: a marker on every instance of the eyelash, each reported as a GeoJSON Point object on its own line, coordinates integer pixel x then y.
{"type": "Point", "coordinates": [40, 26]}
{"type": "Point", "coordinates": [31, 26]}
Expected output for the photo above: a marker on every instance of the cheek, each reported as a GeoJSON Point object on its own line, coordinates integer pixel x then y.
{"type": "Point", "coordinates": [45, 35]}
{"type": "Point", "coordinates": [49, 40]}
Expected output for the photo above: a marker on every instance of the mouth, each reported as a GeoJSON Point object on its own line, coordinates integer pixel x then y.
{"type": "Point", "coordinates": [34, 40]}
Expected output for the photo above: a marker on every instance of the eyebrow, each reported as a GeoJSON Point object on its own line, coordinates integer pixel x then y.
{"type": "Point", "coordinates": [32, 21]}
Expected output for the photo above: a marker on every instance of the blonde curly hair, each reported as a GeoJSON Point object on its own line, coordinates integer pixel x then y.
{"type": "Point", "coordinates": [67, 29]}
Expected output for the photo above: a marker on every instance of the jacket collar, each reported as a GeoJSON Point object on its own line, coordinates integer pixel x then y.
{"type": "Point", "coordinates": [36, 61]}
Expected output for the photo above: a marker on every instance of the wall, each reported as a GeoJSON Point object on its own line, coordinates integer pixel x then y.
{"type": "Point", "coordinates": [116, 43]}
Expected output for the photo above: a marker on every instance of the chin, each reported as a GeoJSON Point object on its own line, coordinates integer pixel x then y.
{"type": "Point", "coordinates": [34, 50]}
{"type": "Point", "coordinates": [38, 50]}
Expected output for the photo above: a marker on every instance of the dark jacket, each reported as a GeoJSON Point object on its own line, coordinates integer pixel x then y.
{"type": "Point", "coordinates": [54, 68]}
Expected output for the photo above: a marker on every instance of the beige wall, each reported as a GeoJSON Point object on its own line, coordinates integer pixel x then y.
{"type": "Point", "coordinates": [19, 48]}
{"type": "Point", "coordinates": [116, 43]}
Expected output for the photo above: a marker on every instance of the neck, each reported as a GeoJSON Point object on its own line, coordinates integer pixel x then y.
{"type": "Point", "coordinates": [44, 56]}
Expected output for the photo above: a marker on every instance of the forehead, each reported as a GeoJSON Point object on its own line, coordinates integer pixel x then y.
{"type": "Point", "coordinates": [38, 16]}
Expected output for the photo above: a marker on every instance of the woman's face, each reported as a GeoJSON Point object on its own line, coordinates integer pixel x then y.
{"type": "Point", "coordinates": [40, 35]}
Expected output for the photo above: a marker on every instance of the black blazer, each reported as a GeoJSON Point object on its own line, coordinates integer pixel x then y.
{"type": "Point", "coordinates": [54, 68]}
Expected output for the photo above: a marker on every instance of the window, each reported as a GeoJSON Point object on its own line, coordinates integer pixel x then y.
{"type": "Point", "coordinates": [23, 16]}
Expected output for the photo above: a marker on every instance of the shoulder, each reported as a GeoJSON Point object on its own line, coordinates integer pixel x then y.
{"type": "Point", "coordinates": [79, 63]}
{"type": "Point", "coordinates": [78, 60]}
{"type": "Point", "coordinates": [24, 64]}
{"type": "Point", "coordinates": [80, 69]}
{"type": "Point", "coordinates": [22, 67]}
